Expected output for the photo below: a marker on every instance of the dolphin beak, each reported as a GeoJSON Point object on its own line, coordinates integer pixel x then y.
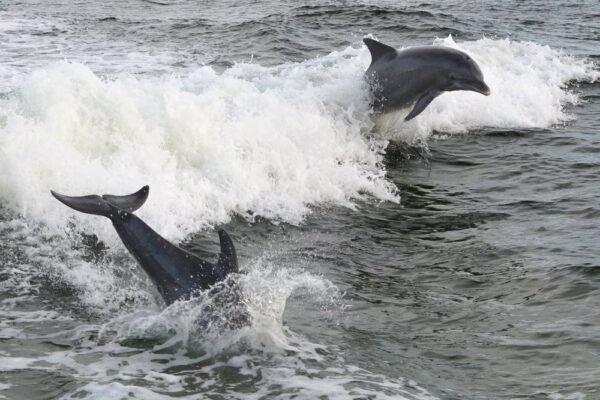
{"type": "Point", "coordinates": [478, 86]}
{"type": "Point", "coordinates": [483, 89]}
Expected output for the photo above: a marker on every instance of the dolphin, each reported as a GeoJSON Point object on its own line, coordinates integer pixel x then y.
{"type": "Point", "coordinates": [176, 273]}
{"type": "Point", "coordinates": [419, 75]}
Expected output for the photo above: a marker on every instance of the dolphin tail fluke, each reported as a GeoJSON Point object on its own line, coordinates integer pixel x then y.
{"type": "Point", "coordinates": [378, 49]}
{"type": "Point", "coordinates": [92, 204]}
{"type": "Point", "coordinates": [227, 257]}
{"type": "Point", "coordinates": [104, 205]}
{"type": "Point", "coordinates": [130, 202]}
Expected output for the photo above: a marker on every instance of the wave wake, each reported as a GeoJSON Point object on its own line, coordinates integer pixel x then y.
{"type": "Point", "coordinates": [253, 140]}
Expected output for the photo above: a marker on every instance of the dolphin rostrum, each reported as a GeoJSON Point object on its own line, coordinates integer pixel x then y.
{"type": "Point", "coordinates": [418, 75]}
{"type": "Point", "coordinates": [175, 272]}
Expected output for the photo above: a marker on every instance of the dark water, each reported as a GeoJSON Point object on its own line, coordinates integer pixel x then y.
{"type": "Point", "coordinates": [481, 282]}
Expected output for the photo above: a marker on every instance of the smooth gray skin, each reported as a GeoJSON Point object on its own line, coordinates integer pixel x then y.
{"type": "Point", "coordinates": [419, 74]}
{"type": "Point", "coordinates": [175, 272]}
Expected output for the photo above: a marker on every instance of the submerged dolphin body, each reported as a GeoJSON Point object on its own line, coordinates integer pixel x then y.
{"type": "Point", "coordinates": [175, 272]}
{"type": "Point", "coordinates": [418, 74]}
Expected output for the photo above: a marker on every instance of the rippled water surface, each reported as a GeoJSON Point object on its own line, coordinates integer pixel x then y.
{"type": "Point", "coordinates": [452, 257]}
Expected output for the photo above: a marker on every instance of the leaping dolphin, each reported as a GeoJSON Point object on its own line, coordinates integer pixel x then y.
{"type": "Point", "coordinates": [175, 272]}
{"type": "Point", "coordinates": [399, 78]}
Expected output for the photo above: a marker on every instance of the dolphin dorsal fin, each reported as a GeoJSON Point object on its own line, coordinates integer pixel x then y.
{"type": "Point", "coordinates": [227, 257]}
{"type": "Point", "coordinates": [378, 49]}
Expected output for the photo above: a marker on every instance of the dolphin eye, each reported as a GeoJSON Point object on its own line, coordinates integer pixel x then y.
{"type": "Point", "coordinates": [452, 77]}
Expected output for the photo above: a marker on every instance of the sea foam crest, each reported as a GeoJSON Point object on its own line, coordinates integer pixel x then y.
{"type": "Point", "coordinates": [253, 140]}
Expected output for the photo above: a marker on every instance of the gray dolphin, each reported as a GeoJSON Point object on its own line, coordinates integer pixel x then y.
{"type": "Point", "coordinates": [399, 78]}
{"type": "Point", "coordinates": [175, 272]}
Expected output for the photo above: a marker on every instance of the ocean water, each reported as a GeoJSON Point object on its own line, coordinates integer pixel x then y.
{"type": "Point", "coordinates": [452, 257]}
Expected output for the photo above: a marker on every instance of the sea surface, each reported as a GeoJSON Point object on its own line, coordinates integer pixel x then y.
{"type": "Point", "coordinates": [456, 256]}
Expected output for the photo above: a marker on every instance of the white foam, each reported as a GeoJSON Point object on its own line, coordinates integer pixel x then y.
{"type": "Point", "coordinates": [272, 141]}
{"type": "Point", "coordinates": [4, 386]}
{"type": "Point", "coordinates": [15, 363]}
{"type": "Point", "coordinates": [30, 42]}
{"type": "Point", "coordinates": [117, 390]}
{"type": "Point", "coordinates": [148, 351]}
{"type": "Point", "coordinates": [267, 355]}
{"type": "Point", "coordinates": [267, 141]}
{"type": "Point", "coordinates": [265, 291]}
{"type": "Point", "coordinates": [252, 140]}
{"type": "Point", "coordinates": [571, 396]}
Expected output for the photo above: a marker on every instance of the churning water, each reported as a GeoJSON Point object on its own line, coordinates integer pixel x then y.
{"type": "Point", "coordinates": [452, 257]}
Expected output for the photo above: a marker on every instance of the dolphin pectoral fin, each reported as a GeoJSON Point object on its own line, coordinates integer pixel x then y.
{"type": "Point", "coordinates": [378, 49]}
{"type": "Point", "coordinates": [130, 202]}
{"type": "Point", "coordinates": [421, 104]}
{"type": "Point", "coordinates": [228, 257]}
{"type": "Point", "coordinates": [92, 204]}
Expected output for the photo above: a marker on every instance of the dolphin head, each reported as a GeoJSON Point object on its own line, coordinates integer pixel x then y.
{"type": "Point", "coordinates": [465, 74]}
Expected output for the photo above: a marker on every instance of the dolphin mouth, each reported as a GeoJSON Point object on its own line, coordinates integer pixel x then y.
{"type": "Point", "coordinates": [473, 86]}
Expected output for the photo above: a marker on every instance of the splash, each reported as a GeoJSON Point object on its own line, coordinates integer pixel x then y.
{"type": "Point", "coordinates": [161, 353]}
{"type": "Point", "coordinates": [252, 141]}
